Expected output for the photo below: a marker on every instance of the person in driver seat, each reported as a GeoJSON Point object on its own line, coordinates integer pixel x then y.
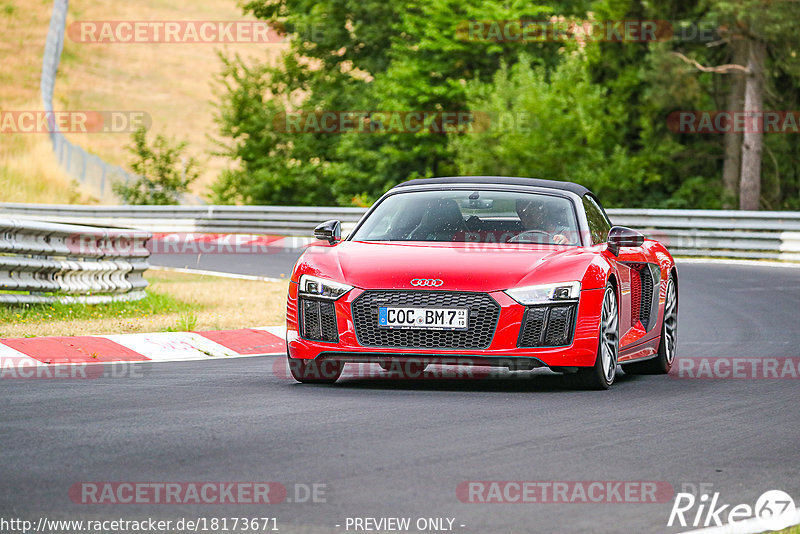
{"type": "Point", "coordinates": [537, 215]}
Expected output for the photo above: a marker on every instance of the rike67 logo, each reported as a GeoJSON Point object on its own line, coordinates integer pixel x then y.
{"type": "Point", "coordinates": [774, 510]}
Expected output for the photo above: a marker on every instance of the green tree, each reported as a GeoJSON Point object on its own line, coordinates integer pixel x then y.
{"type": "Point", "coordinates": [163, 172]}
{"type": "Point", "coordinates": [754, 52]}
{"type": "Point", "coordinates": [619, 143]}
{"type": "Point", "coordinates": [558, 125]}
{"type": "Point", "coordinates": [354, 55]}
{"type": "Point", "coordinates": [596, 113]}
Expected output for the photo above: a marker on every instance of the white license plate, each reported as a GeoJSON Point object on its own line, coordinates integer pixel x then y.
{"type": "Point", "coordinates": [428, 318]}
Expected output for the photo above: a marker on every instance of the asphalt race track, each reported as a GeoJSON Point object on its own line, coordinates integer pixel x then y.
{"type": "Point", "coordinates": [277, 264]}
{"type": "Point", "coordinates": [400, 448]}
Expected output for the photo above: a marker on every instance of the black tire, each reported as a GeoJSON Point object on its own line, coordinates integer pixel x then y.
{"type": "Point", "coordinates": [602, 374]}
{"type": "Point", "coordinates": [315, 371]}
{"type": "Point", "coordinates": [662, 363]}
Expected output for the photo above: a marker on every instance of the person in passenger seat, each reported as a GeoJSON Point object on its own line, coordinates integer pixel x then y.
{"type": "Point", "coordinates": [442, 222]}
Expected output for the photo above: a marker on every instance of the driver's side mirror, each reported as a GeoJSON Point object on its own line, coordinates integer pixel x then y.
{"type": "Point", "coordinates": [330, 231]}
{"type": "Point", "coordinates": [621, 236]}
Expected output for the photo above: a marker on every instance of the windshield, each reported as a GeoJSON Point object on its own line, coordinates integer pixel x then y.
{"type": "Point", "coordinates": [472, 216]}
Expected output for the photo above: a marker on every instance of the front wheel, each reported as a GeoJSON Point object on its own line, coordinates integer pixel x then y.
{"type": "Point", "coordinates": [601, 375]}
{"type": "Point", "coordinates": [315, 371]}
{"type": "Point", "coordinates": [662, 363]}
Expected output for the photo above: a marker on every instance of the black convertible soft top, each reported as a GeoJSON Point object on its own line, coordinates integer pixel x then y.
{"type": "Point", "coordinates": [503, 180]}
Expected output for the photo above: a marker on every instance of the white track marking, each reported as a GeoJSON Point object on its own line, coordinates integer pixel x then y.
{"type": "Point", "coordinates": [279, 331]}
{"type": "Point", "coordinates": [173, 346]}
{"type": "Point", "coordinates": [216, 273]}
{"type": "Point", "coordinates": [758, 263]}
{"type": "Point", "coordinates": [13, 357]}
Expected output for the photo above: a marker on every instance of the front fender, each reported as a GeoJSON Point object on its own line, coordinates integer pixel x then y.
{"type": "Point", "coordinates": [586, 265]}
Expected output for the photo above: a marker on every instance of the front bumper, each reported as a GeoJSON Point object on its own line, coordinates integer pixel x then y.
{"type": "Point", "coordinates": [502, 349]}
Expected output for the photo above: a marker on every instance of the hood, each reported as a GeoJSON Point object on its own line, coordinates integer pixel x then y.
{"type": "Point", "coordinates": [461, 266]}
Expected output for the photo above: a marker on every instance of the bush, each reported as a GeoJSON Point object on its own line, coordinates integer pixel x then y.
{"type": "Point", "coordinates": [164, 173]}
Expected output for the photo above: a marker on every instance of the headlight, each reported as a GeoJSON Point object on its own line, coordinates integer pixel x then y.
{"type": "Point", "coordinates": [545, 293]}
{"type": "Point", "coordinates": [320, 287]}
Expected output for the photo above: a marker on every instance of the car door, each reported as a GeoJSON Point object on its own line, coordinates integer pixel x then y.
{"type": "Point", "coordinates": [627, 264]}
{"type": "Point", "coordinates": [634, 269]}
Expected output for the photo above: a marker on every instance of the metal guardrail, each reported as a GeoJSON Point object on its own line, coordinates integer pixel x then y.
{"type": "Point", "coordinates": [278, 220]}
{"type": "Point", "coordinates": [47, 262]}
{"type": "Point", "coordinates": [771, 235]}
{"type": "Point", "coordinates": [711, 233]}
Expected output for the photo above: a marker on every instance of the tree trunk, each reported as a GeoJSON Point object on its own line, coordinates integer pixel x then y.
{"type": "Point", "coordinates": [732, 165]}
{"type": "Point", "coordinates": [750, 185]}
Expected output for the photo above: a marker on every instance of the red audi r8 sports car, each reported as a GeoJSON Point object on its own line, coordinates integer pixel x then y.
{"type": "Point", "coordinates": [510, 272]}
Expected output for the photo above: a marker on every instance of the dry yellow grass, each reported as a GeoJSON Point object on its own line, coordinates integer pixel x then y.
{"type": "Point", "coordinates": [24, 25]}
{"type": "Point", "coordinates": [216, 303]}
{"type": "Point", "coordinates": [29, 172]}
{"type": "Point", "coordinates": [171, 82]}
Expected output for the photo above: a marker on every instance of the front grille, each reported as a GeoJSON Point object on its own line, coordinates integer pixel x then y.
{"type": "Point", "coordinates": [547, 326]}
{"type": "Point", "coordinates": [318, 320]}
{"type": "Point", "coordinates": [483, 315]}
{"type": "Point", "coordinates": [532, 327]}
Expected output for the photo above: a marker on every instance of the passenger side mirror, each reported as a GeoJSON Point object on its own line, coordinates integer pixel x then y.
{"type": "Point", "coordinates": [621, 236]}
{"type": "Point", "coordinates": [330, 231]}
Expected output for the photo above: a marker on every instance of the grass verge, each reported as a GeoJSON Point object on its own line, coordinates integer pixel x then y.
{"type": "Point", "coordinates": [174, 302]}
{"type": "Point", "coordinates": [29, 171]}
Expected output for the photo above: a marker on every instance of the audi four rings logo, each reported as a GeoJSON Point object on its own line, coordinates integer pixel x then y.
{"type": "Point", "coordinates": [426, 282]}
